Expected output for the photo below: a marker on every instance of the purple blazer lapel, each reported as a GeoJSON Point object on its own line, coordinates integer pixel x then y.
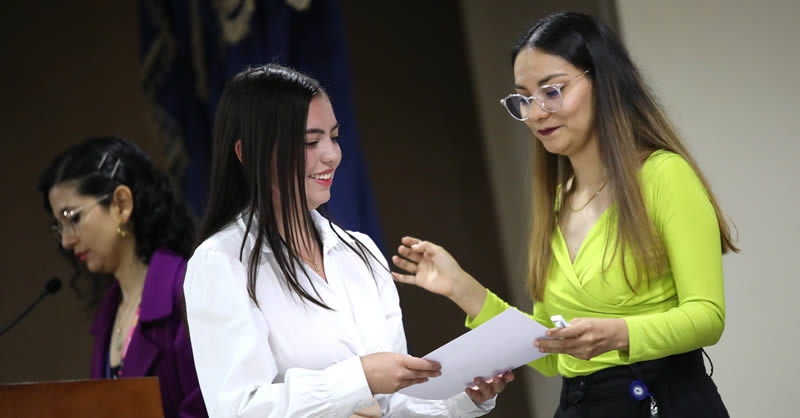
{"type": "Point", "coordinates": [156, 306]}
{"type": "Point", "coordinates": [158, 293]}
{"type": "Point", "coordinates": [101, 329]}
{"type": "Point", "coordinates": [141, 355]}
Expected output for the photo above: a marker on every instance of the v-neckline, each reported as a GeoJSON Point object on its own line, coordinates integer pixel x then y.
{"type": "Point", "coordinates": [563, 239]}
{"type": "Point", "coordinates": [324, 279]}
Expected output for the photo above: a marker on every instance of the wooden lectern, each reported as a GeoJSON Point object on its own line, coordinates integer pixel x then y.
{"type": "Point", "coordinates": [137, 397]}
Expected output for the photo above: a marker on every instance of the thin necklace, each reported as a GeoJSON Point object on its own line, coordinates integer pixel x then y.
{"type": "Point", "coordinates": [313, 263]}
{"type": "Point", "coordinates": [588, 201]}
{"type": "Point", "coordinates": [125, 321]}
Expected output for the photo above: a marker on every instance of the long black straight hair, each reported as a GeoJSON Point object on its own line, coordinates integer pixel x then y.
{"type": "Point", "coordinates": [266, 107]}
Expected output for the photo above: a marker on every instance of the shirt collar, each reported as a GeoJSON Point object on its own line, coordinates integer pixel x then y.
{"type": "Point", "coordinates": [329, 238]}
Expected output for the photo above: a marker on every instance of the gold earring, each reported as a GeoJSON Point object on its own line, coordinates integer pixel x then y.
{"type": "Point", "coordinates": [122, 231]}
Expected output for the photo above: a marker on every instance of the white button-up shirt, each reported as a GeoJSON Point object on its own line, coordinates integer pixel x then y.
{"type": "Point", "coordinates": [287, 357]}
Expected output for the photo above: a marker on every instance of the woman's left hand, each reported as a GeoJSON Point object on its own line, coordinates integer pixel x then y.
{"type": "Point", "coordinates": [586, 338]}
{"type": "Point", "coordinates": [487, 389]}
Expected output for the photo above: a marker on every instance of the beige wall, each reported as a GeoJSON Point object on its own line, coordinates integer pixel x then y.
{"type": "Point", "coordinates": [728, 74]}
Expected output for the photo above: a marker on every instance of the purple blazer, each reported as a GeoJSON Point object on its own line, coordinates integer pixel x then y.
{"type": "Point", "coordinates": [160, 345]}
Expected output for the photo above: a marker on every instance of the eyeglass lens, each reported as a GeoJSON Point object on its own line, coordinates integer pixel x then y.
{"type": "Point", "coordinates": [547, 97]}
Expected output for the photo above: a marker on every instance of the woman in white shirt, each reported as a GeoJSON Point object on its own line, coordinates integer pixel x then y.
{"type": "Point", "coordinates": [289, 315]}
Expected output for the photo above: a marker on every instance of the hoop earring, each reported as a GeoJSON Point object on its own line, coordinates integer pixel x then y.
{"type": "Point", "coordinates": [122, 231]}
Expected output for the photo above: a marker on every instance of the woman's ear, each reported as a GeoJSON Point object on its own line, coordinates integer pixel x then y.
{"type": "Point", "coordinates": [122, 203]}
{"type": "Point", "coordinates": [237, 148]}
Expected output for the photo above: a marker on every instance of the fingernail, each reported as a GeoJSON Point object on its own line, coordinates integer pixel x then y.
{"type": "Point", "coordinates": [490, 380]}
{"type": "Point", "coordinates": [415, 245]}
{"type": "Point", "coordinates": [474, 387]}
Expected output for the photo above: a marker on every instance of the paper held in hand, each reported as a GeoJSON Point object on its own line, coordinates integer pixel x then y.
{"type": "Point", "coordinates": [503, 343]}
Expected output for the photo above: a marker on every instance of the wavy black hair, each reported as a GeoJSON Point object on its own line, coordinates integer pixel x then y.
{"type": "Point", "coordinates": [266, 107]}
{"type": "Point", "coordinates": [97, 166]}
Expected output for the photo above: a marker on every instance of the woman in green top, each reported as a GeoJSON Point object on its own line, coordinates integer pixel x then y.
{"type": "Point", "coordinates": [626, 239]}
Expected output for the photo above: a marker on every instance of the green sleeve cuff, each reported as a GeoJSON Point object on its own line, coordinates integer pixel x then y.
{"type": "Point", "coordinates": [634, 353]}
{"type": "Point", "coordinates": [492, 306]}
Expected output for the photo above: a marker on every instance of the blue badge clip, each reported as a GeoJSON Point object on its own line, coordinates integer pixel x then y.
{"type": "Point", "coordinates": [638, 390]}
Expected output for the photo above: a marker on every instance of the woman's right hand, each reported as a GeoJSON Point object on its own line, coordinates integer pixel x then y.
{"type": "Point", "coordinates": [432, 267]}
{"type": "Point", "coordinates": [435, 270]}
{"type": "Point", "coordinates": [390, 372]}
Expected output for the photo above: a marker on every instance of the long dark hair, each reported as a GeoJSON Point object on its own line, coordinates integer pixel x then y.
{"type": "Point", "coordinates": [98, 166]}
{"type": "Point", "coordinates": [266, 107]}
{"type": "Point", "coordinates": [630, 123]}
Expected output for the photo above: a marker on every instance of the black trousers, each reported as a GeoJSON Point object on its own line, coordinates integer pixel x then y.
{"type": "Point", "coordinates": [679, 384]}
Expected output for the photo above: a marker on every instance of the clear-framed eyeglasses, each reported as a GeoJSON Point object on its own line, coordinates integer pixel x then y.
{"type": "Point", "coordinates": [547, 97]}
{"type": "Point", "coordinates": [71, 219]}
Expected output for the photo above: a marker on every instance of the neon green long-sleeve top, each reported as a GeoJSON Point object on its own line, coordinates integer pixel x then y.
{"type": "Point", "coordinates": [681, 310]}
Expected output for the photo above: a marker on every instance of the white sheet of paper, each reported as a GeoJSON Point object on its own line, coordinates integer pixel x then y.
{"type": "Point", "coordinates": [503, 343]}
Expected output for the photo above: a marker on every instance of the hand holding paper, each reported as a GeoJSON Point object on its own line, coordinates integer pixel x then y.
{"type": "Point", "coordinates": [486, 389]}
{"type": "Point", "coordinates": [586, 338]}
{"type": "Point", "coordinates": [503, 343]}
{"type": "Point", "coordinates": [388, 372]}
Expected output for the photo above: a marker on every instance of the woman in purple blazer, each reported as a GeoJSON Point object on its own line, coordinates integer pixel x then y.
{"type": "Point", "coordinates": [117, 220]}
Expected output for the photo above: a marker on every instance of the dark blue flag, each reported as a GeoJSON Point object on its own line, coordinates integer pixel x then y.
{"type": "Point", "coordinates": [191, 49]}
